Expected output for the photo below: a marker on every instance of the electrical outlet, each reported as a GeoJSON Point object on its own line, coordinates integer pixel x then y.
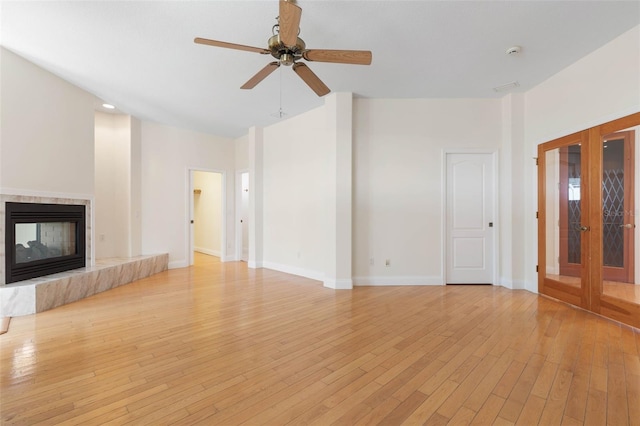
{"type": "Point", "coordinates": [371, 261]}
{"type": "Point", "coordinates": [387, 262]}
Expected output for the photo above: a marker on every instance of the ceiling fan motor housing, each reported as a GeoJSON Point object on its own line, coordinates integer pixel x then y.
{"type": "Point", "coordinates": [286, 54]}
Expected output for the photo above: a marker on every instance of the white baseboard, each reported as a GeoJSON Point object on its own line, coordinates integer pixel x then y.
{"type": "Point", "coordinates": [254, 264]}
{"type": "Point", "coordinates": [210, 252]}
{"type": "Point", "coordinates": [339, 284]}
{"type": "Point", "coordinates": [178, 264]}
{"type": "Point", "coordinates": [401, 280]}
{"type": "Point", "coordinates": [293, 270]}
{"type": "Point", "coordinates": [511, 284]}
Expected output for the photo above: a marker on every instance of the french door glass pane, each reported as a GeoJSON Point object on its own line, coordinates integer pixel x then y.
{"type": "Point", "coordinates": [563, 214]}
{"type": "Point", "coordinates": [620, 190]}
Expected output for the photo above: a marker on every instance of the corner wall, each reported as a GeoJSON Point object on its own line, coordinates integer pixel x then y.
{"type": "Point", "coordinates": [398, 181]}
{"type": "Point", "coordinates": [168, 153]}
{"type": "Point", "coordinates": [117, 176]}
{"type": "Point", "coordinates": [295, 167]}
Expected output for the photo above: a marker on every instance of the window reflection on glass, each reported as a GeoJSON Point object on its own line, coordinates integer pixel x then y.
{"type": "Point", "coordinates": [574, 189]}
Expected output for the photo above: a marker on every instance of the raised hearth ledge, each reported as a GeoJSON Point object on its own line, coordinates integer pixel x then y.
{"type": "Point", "coordinates": [44, 293]}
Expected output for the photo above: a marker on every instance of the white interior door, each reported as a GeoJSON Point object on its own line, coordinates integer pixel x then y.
{"type": "Point", "coordinates": [470, 232]}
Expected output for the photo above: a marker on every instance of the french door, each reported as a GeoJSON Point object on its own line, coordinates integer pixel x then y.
{"type": "Point", "coordinates": [587, 238]}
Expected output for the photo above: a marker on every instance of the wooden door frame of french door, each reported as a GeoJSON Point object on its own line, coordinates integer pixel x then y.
{"type": "Point", "coordinates": [557, 288]}
{"type": "Point", "coordinates": [618, 309]}
{"type": "Point", "coordinates": [590, 295]}
{"type": "Point", "coordinates": [610, 273]}
{"type": "Point", "coordinates": [626, 272]}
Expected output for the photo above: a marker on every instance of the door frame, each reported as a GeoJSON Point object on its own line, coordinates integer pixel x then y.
{"type": "Point", "coordinates": [239, 235]}
{"type": "Point", "coordinates": [627, 271]}
{"type": "Point", "coordinates": [496, 213]}
{"type": "Point", "coordinates": [190, 212]}
{"type": "Point", "coordinates": [590, 295]}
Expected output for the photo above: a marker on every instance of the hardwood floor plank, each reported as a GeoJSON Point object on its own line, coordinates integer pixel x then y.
{"type": "Point", "coordinates": [218, 343]}
{"type": "Point", "coordinates": [554, 408]}
{"type": "Point", "coordinates": [531, 411]}
{"type": "Point", "coordinates": [404, 409]}
{"type": "Point", "coordinates": [431, 404]}
{"type": "Point", "coordinates": [633, 398]}
{"type": "Point", "coordinates": [378, 414]}
{"type": "Point", "coordinates": [617, 406]}
{"type": "Point", "coordinates": [489, 411]}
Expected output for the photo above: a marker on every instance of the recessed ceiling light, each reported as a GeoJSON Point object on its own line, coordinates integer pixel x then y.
{"type": "Point", "coordinates": [108, 106]}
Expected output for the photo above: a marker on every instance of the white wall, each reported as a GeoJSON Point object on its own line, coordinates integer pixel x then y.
{"type": "Point", "coordinates": [112, 185]}
{"type": "Point", "coordinates": [295, 200]}
{"type": "Point", "coordinates": [398, 183]}
{"type": "Point", "coordinates": [168, 153]}
{"type": "Point", "coordinates": [600, 87]}
{"type": "Point", "coordinates": [207, 212]}
{"type": "Point", "coordinates": [241, 145]}
{"type": "Point", "coordinates": [46, 131]}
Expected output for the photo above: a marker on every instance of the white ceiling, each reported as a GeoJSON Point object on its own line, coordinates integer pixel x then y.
{"type": "Point", "coordinates": [140, 55]}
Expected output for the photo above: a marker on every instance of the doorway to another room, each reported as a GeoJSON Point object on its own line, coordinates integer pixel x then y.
{"type": "Point", "coordinates": [243, 217]}
{"type": "Point", "coordinates": [207, 219]}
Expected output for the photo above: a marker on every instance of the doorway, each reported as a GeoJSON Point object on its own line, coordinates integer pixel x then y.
{"type": "Point", "coordinates": [242, 242]}
{"type": "Point", "coordinates": [586, 219]}
{"type": "Point", "coordinates": [470, 218]}
{"type": "Point", "coordinates": [206, 214]}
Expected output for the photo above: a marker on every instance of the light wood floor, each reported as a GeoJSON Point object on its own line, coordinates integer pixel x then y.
{"type": "Point", "coordinates": [217, 344]}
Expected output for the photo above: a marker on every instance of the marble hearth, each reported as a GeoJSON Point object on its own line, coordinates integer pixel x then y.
{"type": "Point", "coordinates": [44, 293]}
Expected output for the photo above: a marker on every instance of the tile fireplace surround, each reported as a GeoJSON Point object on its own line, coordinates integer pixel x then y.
{"type": "Point", "coordinates": [44, 293]}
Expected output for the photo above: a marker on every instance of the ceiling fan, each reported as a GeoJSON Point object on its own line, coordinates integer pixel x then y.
{"type": "Point", "coordinates": [289, 49]}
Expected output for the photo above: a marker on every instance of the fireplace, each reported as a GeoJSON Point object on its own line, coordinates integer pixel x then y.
{"type": "Point", "coordinates": [43, 239]}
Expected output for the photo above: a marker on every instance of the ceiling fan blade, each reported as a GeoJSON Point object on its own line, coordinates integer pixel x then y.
{"type": "Point", "coordinates": [311, 79]}
{"type": "Point", "coordinates": [217, 43]}
{"type": "Point", "coordinates": [358, 57]}
{"type": "Point", "coordinates": [261, 75]}
{"type": "Point", "coordinates": [289, 22]}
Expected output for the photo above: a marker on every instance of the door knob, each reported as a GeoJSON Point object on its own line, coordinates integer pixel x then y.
{"type": "Point", "coordinates": [584, 228]}
{"type": "Point", "coordinates": [628, 226]}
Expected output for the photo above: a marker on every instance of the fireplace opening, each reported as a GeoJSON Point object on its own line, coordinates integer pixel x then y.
{"type": "Point", "coordinates": [43, 239]}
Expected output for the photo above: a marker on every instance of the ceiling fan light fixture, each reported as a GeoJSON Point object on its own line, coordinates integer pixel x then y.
{"type": "Point", "coordinates": [289, 49]}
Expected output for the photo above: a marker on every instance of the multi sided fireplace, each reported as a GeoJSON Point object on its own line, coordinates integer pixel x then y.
{"type": "Point", "coordinates": [43, 239]}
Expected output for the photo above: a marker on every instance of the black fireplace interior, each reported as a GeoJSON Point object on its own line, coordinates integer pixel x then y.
{"type": "Point", "coordinates": [43, 239]}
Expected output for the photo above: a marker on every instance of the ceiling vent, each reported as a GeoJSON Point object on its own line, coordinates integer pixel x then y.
{"type": "Point", "coordinates": [506, 87]}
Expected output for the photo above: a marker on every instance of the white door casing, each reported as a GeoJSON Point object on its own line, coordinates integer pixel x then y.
{"type": "Point", "coordinates": [244, 217]}
{"type": "Point", "coordinates": [470, 228]}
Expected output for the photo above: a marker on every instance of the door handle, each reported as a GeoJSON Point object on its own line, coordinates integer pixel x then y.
{"type": "Point", "coordinates": [584, 228]}
{"type": "Point", "coordinates": [628, 226]}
